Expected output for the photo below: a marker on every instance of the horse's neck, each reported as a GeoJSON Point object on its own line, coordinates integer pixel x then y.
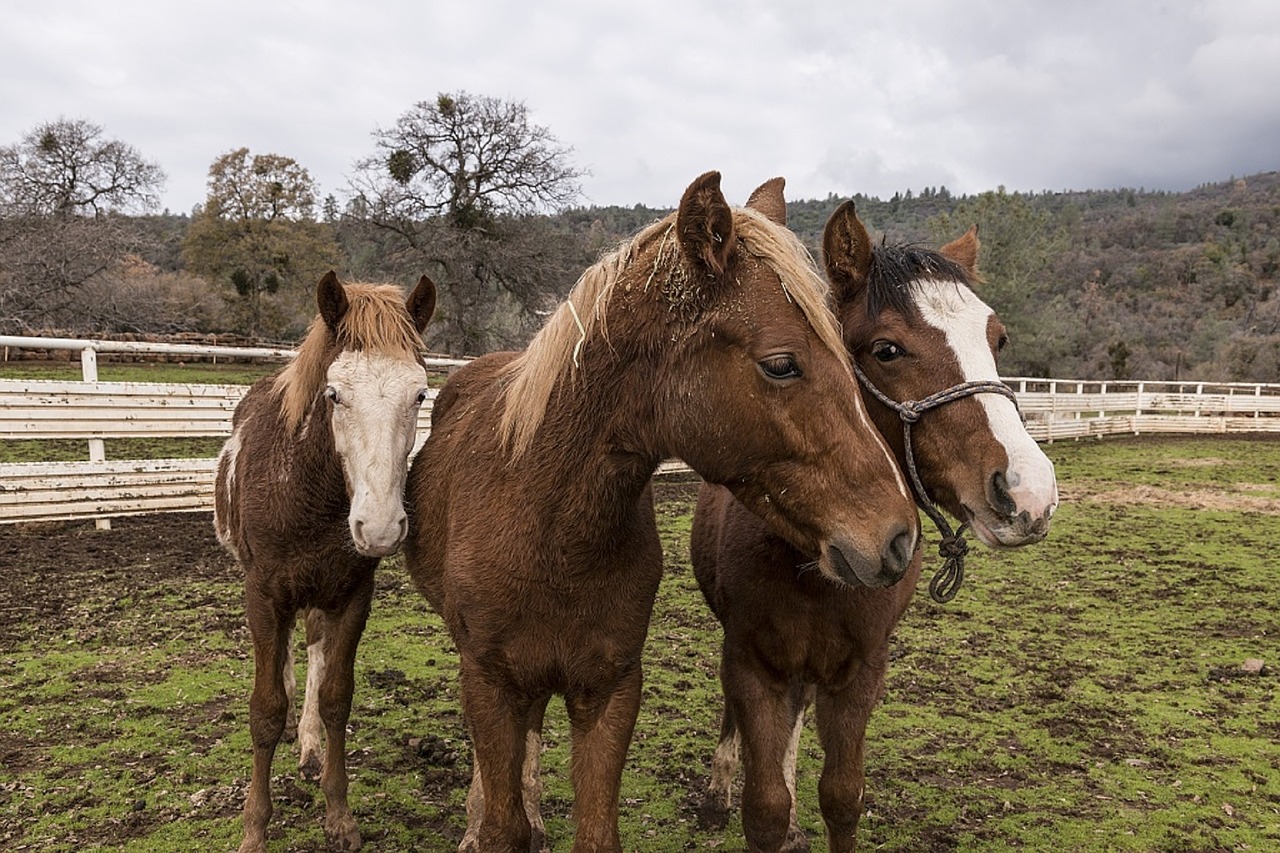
{"type": "Point", "coordinates": [601, 438]}
{"type": "Point", "coordinates": [307, 461]}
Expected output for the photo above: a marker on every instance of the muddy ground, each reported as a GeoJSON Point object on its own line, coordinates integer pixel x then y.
{"type": "Point", "coordinates": [64, 580]}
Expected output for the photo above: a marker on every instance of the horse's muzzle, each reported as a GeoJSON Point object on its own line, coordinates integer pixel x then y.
{"type": "Point", "coordinates": [857, 569]}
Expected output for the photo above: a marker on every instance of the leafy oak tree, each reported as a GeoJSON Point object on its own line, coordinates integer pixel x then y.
{"type": "Point", "coordinates": [457, 183]}
{"type": "Point", "coordinates": [257, 234]}
{"type": "Point", "coordinates": [65, 192]}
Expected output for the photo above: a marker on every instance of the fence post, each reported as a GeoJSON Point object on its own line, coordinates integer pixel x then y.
{"type": "Point", "coordinates": [97, 447]}
{"type": "Point", "coordinates": [1137, 413]}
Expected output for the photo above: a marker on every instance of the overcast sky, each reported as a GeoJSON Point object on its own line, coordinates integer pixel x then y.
{"type": "Point", "coordinates": [838, 96]}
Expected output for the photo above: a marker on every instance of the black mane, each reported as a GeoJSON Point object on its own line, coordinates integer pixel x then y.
{"type": "Point", "coordinates": [896, 271]}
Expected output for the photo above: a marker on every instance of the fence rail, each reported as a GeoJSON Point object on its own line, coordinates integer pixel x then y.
{"type": "Point", "coordinates": [94, 411]}
{"type": "Point", "coordinates": [1061, 409]}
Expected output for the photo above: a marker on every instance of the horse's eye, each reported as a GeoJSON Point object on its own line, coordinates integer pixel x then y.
{"type": "Point", "coordinates": [780, 367]}
{"type": "Point", "coordinates": [885, 351]}
{"type": "Point", "coordinates": [332, 394]}
{"type": "Point", "coordinates": [1002, 343]}
{"type": "Point", "coordinates": [422, 396]}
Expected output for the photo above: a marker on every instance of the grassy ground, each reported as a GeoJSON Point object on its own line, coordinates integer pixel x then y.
{"type": "Point", "coordinates": [1088, 693]}
{"type": "Point", "coordinates": [110, 371]}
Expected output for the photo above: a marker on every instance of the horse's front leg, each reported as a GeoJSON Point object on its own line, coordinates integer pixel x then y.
{"type": "Point", "coordinates": [601, 728]}
{"type": "Point", "coordinates": [531, 783]}
{"type": "Point", "coordinates": [268, 709]}
{"type": "Point", "coordinates": [497, 717]}
{"type": "Point", "coordinates": [769, 712]}
{"type": "Point", "coordinates": [842, 726]}
{"type": "Point", "coordinates": [342, 632]}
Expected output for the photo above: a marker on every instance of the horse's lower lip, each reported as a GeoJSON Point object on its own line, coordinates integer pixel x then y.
{"type": "Point", "coordinates": [985, 533]}
{"type": "Point", "coordinates": [378, 550]}
{"type": "Point", "coordinates": [998, 537]}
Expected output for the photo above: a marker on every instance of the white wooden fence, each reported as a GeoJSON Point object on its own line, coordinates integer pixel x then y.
{"type": "Point", "coordinates": [94, 411]}
{"type": "Point", "coordinates": [99, 488]}
{"type": "Point", "coordinates": [1059, 409]}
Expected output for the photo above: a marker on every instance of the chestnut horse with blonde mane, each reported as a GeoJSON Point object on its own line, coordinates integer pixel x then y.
{"type": "Point", "coordinates": [925, 347]}
{"type": "Point", "coordinates": [309, 496]}
{"type": "Point", "coordinates": [708, 336]}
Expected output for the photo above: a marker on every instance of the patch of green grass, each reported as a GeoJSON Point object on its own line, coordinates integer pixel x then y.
{"type": "Point", "coordinates": [73, 450]}
{"type": "Point", "coordinates": [1082, 694]}
{"type": "Point", "coordinates": [196, 373]}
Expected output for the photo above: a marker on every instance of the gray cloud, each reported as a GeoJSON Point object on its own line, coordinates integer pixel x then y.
{"type": "Point", "coordinates": [837, 96]}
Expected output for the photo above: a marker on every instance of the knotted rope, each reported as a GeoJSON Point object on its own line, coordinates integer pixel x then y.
{"type": "Point", "coordinates": [953, 548]}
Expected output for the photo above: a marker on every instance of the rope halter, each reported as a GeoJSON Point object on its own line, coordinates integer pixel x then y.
{"type": "Point", "coordinates": [953, 548]}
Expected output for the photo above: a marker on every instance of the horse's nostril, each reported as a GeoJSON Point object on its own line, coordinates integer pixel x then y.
{"type": "Point", "coordinates": [998, 495]}
{"type": "Point", "coordinates": [897, 556]}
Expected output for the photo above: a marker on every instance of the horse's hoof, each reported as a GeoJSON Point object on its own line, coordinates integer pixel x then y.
{"type": "Point", "coordinates": [797, 841]}
{"type": "Point", "coordinates": [713, 813]}
{"type": "Point", "coordinates": [342, 834]}
{"type": "Point", "coordinates": [247, 846]}
{"type": "Point", "coordinates": [310, 767]}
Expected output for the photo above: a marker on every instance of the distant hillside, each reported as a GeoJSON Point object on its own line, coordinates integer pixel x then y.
{"type": "Point", "coordinates": [1099, 284]}
{"type": "Point", "coordinates": [1126, 284]}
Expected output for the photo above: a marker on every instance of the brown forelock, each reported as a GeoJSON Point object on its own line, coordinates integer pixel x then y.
{"type": "Point", "coordinates": [376, 321]}
{"type": "Point", "coordinates": [555, 350]}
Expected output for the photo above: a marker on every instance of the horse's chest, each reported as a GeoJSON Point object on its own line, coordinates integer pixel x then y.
{"type": "Point", "coordinates": [818, 640]}
{"type": "Point", "coordinates": [556, 634]}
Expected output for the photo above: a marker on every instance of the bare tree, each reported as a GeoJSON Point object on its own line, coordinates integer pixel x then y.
{"type": "Point", "coordinates": [458, 181]}
{"type": "Point", "coordinates": [46, 261]}
{"type": "Point", "coordinates": [66, 168]}
{"type": "Point", "coordinates": [63, 192]}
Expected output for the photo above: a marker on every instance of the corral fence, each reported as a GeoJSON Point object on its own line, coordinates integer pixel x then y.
{"type": "Point", "coordinates": [100, 488]}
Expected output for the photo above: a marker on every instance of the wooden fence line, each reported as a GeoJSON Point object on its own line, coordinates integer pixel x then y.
{"type": "Point", "coordinates": [98, 488]}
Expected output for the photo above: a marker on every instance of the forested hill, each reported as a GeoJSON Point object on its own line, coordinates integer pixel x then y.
{"type": "Point", "coordinates": [1108, 284]}
{"type": "Point", "coordinates": [1092, 285]}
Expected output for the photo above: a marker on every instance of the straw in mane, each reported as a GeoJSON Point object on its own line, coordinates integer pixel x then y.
{"type": "Point", "coordinates": [374, 321]}
{"type": "Point", "coordinates": [556, 348]}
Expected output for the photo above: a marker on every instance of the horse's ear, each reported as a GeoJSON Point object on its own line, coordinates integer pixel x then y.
{"type": "Point", "coordinates": [422, 303]}
{"type": "Point", "coordinates": [332, 299]}
{"type": "Point", "coordinates": [964, 251]}
{"type": "Point", "coordinates": [704, 225]}
{"type": "Point", "coordinates": [767, 199]}
{"type": "Point", "coordinates": [846, 251]}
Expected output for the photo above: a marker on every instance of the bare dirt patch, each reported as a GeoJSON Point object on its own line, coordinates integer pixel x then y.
{"type": "Point", "coordinates": [1211, 499]}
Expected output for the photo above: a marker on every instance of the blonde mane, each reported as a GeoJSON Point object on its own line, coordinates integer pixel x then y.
{"type": "Point", "coordinates": [555, 350]}
{"type": "Point", "coordinates": [376, 321]}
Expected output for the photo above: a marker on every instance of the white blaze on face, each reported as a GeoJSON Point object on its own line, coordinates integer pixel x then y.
{"type": "Point", "coordinates": [963, 318]}
{"type": "Point", "coordinates": [376, 399]}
